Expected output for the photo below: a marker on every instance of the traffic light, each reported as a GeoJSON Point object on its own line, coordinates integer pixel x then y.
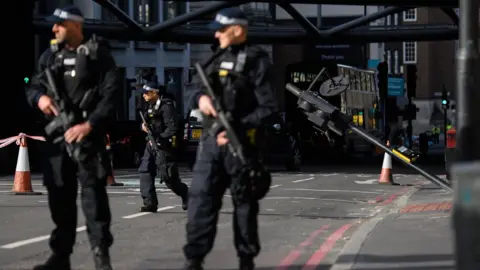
{"type": "Point", "coordinates": [382, 78]}
{"type": "Point", "coordinates": [411, 80]}
{"type": "Point", "coordinates": [445, 100]}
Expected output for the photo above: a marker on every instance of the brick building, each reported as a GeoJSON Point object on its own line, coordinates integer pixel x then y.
{"type": "Point", "coordinates": [435, 61]}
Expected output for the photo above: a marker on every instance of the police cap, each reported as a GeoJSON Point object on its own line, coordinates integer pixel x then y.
{"type": "Point", "coordinates": [152, 86]}
{"type": "Point", "coordinates": [228, 16]}
{"type": "Point", "coordinates": [68, 12]}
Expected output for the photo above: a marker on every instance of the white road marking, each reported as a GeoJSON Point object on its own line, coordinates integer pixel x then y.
{"type": "Point", "coordinates": [303, 180]}
{"type": "Point", "coordinates": [147, 213]}
{"type": "Point", "coordinates": [108, 192]}
{"type": "Point", "coordinates": [364, 175]}
{"type": "Point", "coordinates": [34, 240]}
{"type": "Point", "coordinates": [126, 175]}
{"type": "Point", "coordinates": [11, 184]}
{"type": "Point", "coordinates": [326, 174]}
{"type": "Point", "coordinates": [333, 190]}
{"type": "Point", "coordinates": [157, 189]}
{"type": "Point", "coordinates": [367, 182]}
{"type": "Point", "coordinates": [274, 186]}
{"type": "Point", "coordinates": [136, 192]}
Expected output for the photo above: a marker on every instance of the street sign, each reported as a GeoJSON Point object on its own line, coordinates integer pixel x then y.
{"type": "Point", "coordinates": [373, 63]}
{"type": "Point", "coordinates": [396, 86]}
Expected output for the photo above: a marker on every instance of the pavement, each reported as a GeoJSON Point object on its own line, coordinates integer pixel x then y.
{"type": "Point", "coordinates": [305, 222]}
{"type": "Point", "coordinates": [413, 234]}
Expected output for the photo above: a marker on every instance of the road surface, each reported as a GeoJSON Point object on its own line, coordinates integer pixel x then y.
{"type": "Point", "coordinates": [305, 221]}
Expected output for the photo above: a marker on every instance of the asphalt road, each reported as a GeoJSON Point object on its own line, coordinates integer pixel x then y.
{"type": "Point", "coordinates": [305, 221]}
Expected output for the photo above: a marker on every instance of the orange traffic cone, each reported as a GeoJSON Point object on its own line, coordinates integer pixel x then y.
{"type": "Point", "coordinates": [22, 184]}
{"type": "Point", "coordinates": [110, 178]}
{"type": "Point", "coordinates": [386, 174]}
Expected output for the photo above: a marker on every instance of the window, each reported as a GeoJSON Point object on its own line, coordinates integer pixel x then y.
{"type": "Point", "coordinates": [410, 15]}
{"type": "Point", "coordinates": [108, 16]}
{"type": "Point", "coordinates": [396, 64]}
{"type": "Point", "coordinates": [410, 52]}
{"type": "Point", "coordinates": [146, 12]}
{"type": "Point", "coordinates": [172, 9]}
{"type": "Point", "coordinates": [389, 62]}
{"type": "Point", "coordinates": [395, 19]}
{"type": "Point", "coordinates": [388, 20]}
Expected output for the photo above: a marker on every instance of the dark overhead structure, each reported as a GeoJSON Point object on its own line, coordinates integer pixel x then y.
{"type": "Point", "coordinates": [355, 31]}
{"type": "Point", "coordinates": [416, 3]}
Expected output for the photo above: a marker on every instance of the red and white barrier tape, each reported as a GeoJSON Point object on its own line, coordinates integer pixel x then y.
{"type": "Point", "coordinates": [18, 139]}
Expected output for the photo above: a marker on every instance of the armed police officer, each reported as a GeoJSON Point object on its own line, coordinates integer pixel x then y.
{"type": "Point", "coordinates": [162, 122]}
{"type": "Point", "coordinates": [248, 97]}
{"type": "Point", "coordinates": [75, 88]}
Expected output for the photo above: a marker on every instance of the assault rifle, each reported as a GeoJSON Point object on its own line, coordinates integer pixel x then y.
{"type": "Point", "coordinates": [224, 119]}
{"type": "Point", "coordinates": [150, 136]}
{"type": "Point", "coordinates": [63, 121]}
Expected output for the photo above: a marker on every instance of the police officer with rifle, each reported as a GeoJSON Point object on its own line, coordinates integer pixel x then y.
{"type": "Point", "coordinates": [238, 96]}
{"type": "Point", "coordinates": [160, 128]}
{"type": "Point", "coordinates": [75, 87]}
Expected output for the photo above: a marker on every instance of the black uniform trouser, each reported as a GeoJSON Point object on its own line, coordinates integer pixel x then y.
{"type": "Point", "coordinates": [213, 172]}
{"type": "Point", "coordinates": [60, 179]}
{"type": "Point", "coordinates": [152, 163]}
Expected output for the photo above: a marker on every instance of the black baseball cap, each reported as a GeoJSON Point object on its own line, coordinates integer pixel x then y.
{"type": "Point", "coordinates": [68, 12]}
{"type": "Point", "coordinates": [228, 16]}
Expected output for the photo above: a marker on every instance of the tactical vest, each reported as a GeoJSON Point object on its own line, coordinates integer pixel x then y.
{"type": "Point", "coordinates": [77, 74]}
{"type": "Point", "coordinates": [235, 72]}
{"type": "Point", "coordinates": [153, 114]}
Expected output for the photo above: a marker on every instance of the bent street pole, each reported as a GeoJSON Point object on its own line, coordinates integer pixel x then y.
{"type": "Point", "coordinates": [466, 169]}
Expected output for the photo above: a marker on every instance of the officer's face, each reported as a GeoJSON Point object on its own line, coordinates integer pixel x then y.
{"type": "Point", "coordinates": [64, 31]}
{"type": "Point", "coordinates": [230, 35]}
{"type": "Point", "coordinates": [150, 96]}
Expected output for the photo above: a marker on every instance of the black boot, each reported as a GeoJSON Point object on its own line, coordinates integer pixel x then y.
{"type": "Point", "coordinates": [101, 258]}
{"type": "Point", "coordinates": [246, 263]}
{"type": "Point", "coordinates": [193, 264]}
{"type": "Point", "coordinates": [148, 208]}
{"type": "Point", "coordinates": [55, 262]}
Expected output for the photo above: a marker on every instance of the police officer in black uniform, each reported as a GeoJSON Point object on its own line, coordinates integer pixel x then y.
{"type": "Point", "coordinates": [251, 101]}
{"type": "Point", "coordinates": [81, 68]}
{"type": "Point", "coordinates": [162, 121]}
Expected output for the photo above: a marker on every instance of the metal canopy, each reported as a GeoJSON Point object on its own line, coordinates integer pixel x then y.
{"type": "Point", "coordinates": [175, 30]}
{"type": "Point", "coordinates": [413, 3]}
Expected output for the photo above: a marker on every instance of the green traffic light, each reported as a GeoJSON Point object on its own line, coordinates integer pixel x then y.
{"type": "Point", "coordinates": [26, 79]}
{"type": "Point", "coordinates": [444, 102]}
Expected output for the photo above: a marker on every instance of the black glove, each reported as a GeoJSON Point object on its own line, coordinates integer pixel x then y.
{"type": "Point", "coordinates": [163, 173]}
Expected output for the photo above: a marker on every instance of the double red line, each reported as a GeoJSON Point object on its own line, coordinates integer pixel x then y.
{"type": "Point", "coordinates": [319, 254]}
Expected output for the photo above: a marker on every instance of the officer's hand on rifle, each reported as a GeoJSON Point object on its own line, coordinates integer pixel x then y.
{"type": "Point", "coordinates": [46, 105]}
{"type": "Point", "coordinates": [78, 132]}
{"type": "Point", "coordinates": [206, 107]}
{"type": "Point", "coordinates": [222, 138]}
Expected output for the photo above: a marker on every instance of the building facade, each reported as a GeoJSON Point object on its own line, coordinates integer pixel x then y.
{"type": "Point", "coordinates": [435, 61]}
{"type": "Point", "coordinates": [166, 62]}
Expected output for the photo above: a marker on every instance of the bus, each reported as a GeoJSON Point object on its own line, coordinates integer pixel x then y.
{"type": "Point", "coordinates": [359, 102]}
